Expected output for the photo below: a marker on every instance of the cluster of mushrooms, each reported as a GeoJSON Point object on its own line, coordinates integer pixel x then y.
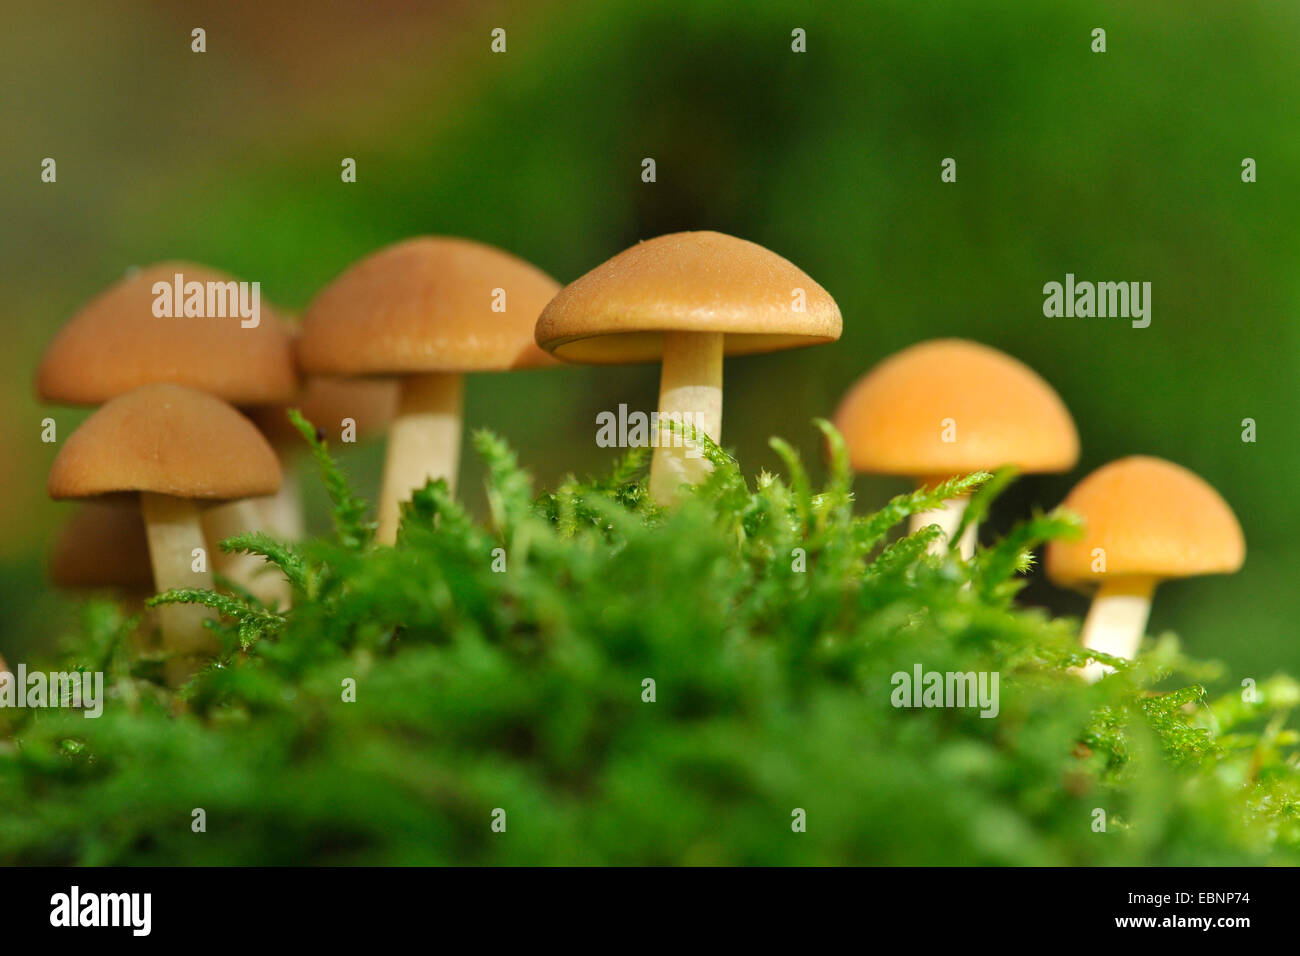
{"type": "Point", "coordinates": [191, 444]}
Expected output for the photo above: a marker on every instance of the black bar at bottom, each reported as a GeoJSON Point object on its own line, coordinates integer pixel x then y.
{"type": "Point", "coordinates": [333, 906]}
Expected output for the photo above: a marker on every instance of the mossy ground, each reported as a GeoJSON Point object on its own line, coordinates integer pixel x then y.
{"type": "Point", "coordinates": [522, 689]}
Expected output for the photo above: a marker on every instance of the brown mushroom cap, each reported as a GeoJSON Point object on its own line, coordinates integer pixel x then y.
{"type": "Point", "coordinates": [1004, 414]}
{"type": "Point", "coordinates": [325, 402]}
{"type": "Point", "coordinates": [425, 305]}
{"type": "Point", "coordinates": [1153, 519]}
{"type": "Point", "coordinates": [116, 343]}
{"type": "Point", "coordinates": [170, 440]}
{"type": "Point", "coordinates": [686, 282]}
{"type": "Point", "coordinates": [102, 545]}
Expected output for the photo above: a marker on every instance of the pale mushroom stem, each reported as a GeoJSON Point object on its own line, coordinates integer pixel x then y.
{"type": "Point", "coordinates": [423, 443]}
{"type": "Point", "coordinates": [690, 393]}
{"type": "Point", "coordinates": [282, 511]}
{"type": "Point", "coordinates": [1116, 622]}
{"type": "Point", "coordinates": [948, 518]}
{"type": "Point", "coordinates": [251, 572]}
{"type": "Point", "coordinates": [174, 531]}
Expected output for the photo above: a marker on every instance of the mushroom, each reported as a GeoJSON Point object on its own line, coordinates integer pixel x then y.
{"type": "Point", "coordinates": [945, 408]}
{"type": "Point", "coordinates": [116, 343]}
{"type": "Point", "coordinates": [1146, 520]}
{"type": "Point", "coordinates": [326, 403]}
{"type": "Point", "coordinates": [686, 299]}
{"type": "Point", "coordinates": [103, 547]}
{"type": "Point", "coordinates": [176, 448]}
{"type": "Point", "coordinates": [426, 311]}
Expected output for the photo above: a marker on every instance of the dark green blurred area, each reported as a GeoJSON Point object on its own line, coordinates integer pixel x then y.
{"type": "Point", "coordinates": [1117, 166]}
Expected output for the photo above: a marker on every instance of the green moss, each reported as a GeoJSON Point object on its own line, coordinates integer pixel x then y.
{"type": "Point", "coordinates": [771, 621]}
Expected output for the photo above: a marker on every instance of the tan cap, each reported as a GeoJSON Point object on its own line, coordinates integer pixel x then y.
{"type": "Point", "coordinates": [169, 440]}
{"type": "Point", "coordinates": [1151, 518]}
{"type": "Point", "coordinates": [116, 343]}
{"type": "Point", "coordinates": [425, 305]}
{"type": "Point", "coordinates": [103, 545]}
{"type": "Point", "coordinates": [325, 402]}
{"type": "Point", "coordinates": [895, 417]}
{"type": "Point", "coordinates": [687, 282]}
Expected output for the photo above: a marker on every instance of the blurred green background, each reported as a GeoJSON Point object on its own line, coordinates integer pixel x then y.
{"type": "Point", "coordinates": [1117, 166]}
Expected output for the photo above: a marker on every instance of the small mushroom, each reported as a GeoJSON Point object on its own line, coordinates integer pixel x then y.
{"type": "Point", "coordinates": [176, 448]}
{"type": "Point", "coordinates": [686, 299]}
{"type": "Point", "coordinates": [945, 408]}
{"type": "Point", "coordinates": [1146, 520]}
{"type": "Point", "coordinates": [103, 547]}
{"type": "Point", "coordinates": [325, 402]}
{"type": "Point", "coordinates": [117, 343]}
{"type": "Point", "coordinates": [425, 311]}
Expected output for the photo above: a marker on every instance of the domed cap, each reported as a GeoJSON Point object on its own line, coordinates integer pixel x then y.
{"type": "Point", "coordinates": [687, 282]}
{"type": "Point", "coordinates": [102, 545]}
{"type": "Point", "coordinates": [425, 305]}
{"type": "Point", "coordinates": [1151, 518]}
{"type": "Point", "coordinates": [893, 418]}
{"type": "Point", "coordinates": [169, 440]}
{"type": "Point", "coordinates": [116, 343]}
{"type": "Point", "coordinates": [325, 402]}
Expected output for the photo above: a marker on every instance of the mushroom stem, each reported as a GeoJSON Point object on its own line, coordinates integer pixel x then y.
{"type": "Point", "coordinates": [423, 443]}
{"type": "Point", "coordinates": [282, 511]}
{"type": "Point", "coordinates": [690, 393]}
{"type": "Point", "coordinates": [1116, 622]}
{"type": "Point", "coordinates": [174, 530]}
{"type": "Point", "coordinates": [251, 572]}
{"type": "Point", "coordinates": [947, 518]}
